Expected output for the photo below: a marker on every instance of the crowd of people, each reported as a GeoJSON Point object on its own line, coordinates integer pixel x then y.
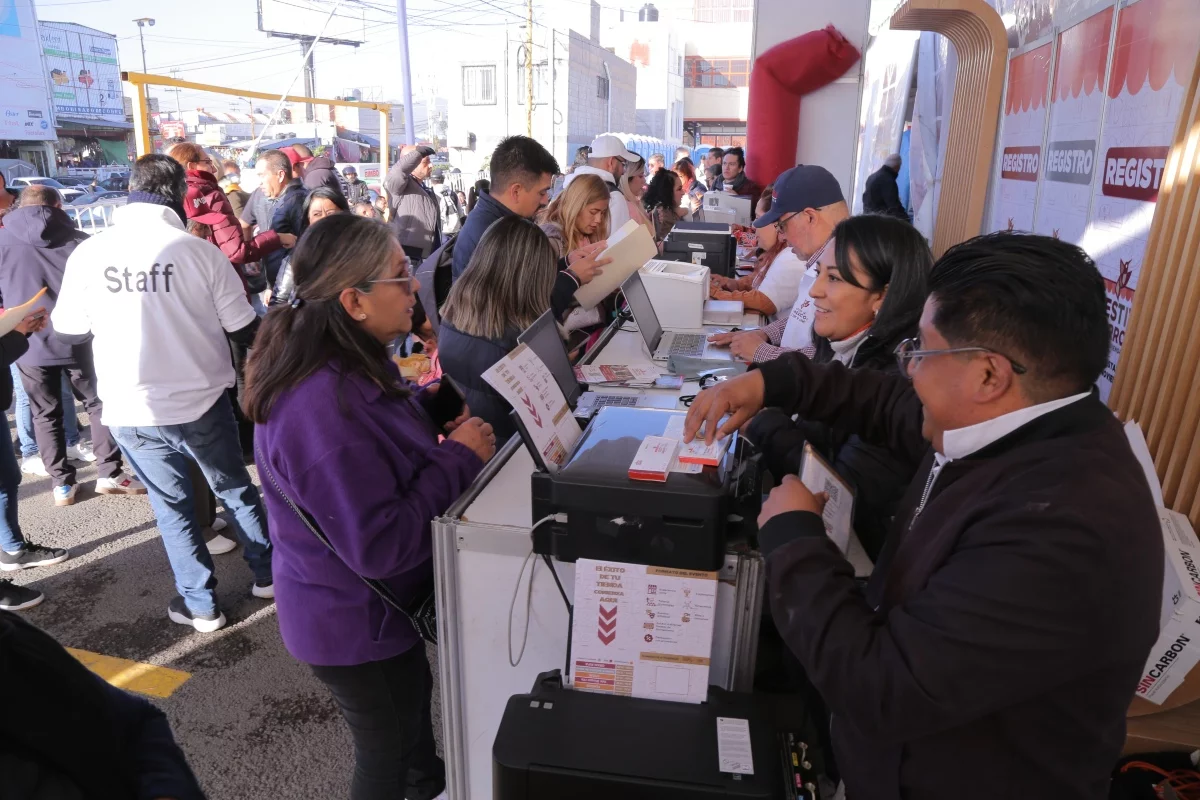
{"type": "Point", "coordinates": [1012, 530]}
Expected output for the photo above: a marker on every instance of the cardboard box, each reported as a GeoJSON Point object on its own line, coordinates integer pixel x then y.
{"type": "Point", "coordinates": [1177, 650]}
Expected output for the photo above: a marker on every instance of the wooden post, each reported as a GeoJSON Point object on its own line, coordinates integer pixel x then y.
{"type": "Point", "coordinates": [981, 43]}
{"type": "Point", "coordinates": [1158, 376]}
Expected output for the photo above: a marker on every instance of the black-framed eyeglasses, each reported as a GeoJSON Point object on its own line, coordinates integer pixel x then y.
{"type": "Point", "coordinates": [908, 352]}
{"type": "Point", "coordinates": [781, 223]}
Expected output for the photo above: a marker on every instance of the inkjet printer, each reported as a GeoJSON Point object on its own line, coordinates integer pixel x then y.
{"type": "Point", "coordinates": [561, 743]}
{"type": "Point", "coordinates": [710, 244]}
{"type": "Point", "coordinates": [684, 522]}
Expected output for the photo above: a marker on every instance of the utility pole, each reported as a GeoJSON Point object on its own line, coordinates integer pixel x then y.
{"type": "Point", "coordinates": [177, 91]}
{"type": "Point", "coordinates": [529, 70]}
{"type": "Point", "coordinates": [410, 128]}
{"type": "Point", "coordinates": [250, 103]}
{"type": "Point", "coordinates": [142, 22]}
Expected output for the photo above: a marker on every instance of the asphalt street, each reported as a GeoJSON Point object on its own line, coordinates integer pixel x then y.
{"type": "Point", "coordinates": [254, 723]}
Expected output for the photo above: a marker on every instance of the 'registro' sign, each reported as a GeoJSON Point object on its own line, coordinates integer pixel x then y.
{"type": "Point", "coordinates": [1134, 173]}
{"type": "Point", "coordinates": [1071, 162]}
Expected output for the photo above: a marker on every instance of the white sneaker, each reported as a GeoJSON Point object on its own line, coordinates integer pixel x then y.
{"type": "Point", "coordinates": [263, 591]}
{"type": "Point", "coordinates": [220, 545]}
{"type": "Point", "coordinates": [32, 465]}
{"type": "Point", "coordinates": [81, 451]}
{"type": "Point", "coordinates": [219, 525]}
{"type": "Point", "coordinates": [122, 484]}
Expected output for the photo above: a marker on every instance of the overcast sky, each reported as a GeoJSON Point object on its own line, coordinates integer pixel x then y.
{"type": "Point", "coordinates": [218, 42]}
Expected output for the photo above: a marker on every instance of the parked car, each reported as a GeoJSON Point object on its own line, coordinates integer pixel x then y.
{"type": "Point", "coordinates": [115, 183]}
{"type": "Point", "coordinates": [68, 193]}
{"type": "Point", "coordinates": [75, 182]}
{"type": "Point", "coordinates": [102, 196]}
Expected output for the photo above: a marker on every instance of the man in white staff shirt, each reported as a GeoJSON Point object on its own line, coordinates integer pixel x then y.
{"type": "Point", "coordinates": [145, 282]}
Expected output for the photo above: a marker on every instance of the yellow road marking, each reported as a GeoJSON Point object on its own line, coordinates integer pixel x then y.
{"type": "Point", "coordinates": [133, 676]}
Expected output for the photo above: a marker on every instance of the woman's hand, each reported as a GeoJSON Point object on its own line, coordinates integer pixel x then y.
{"type": "Point", "coordinates": [34, 322]}
{"type": "Point", "coordinates": [288, 240]}
{"type": "Point", "coordinates": [724, 339]}
{"type": "Point", "coordinates": [587, 264]}
{"type": "Point", "coordinates": [457, 422]}
{"type": "Point", "coordinates": [477, 435]}
{"type": "Point", "coordinates": [744, 344]}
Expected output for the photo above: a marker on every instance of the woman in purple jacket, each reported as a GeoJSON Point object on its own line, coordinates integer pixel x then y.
{"type": "Point", "coordinates": [356, 448]}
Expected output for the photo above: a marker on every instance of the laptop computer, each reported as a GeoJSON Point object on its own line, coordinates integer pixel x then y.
{"type": "Point", "coordinates": [662, 345]}
{"type": "Point", "coordinates": [543, 339]}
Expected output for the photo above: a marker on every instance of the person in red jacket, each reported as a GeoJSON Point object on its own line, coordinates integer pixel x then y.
{"type": "Point", "coordinates": [207, 204]}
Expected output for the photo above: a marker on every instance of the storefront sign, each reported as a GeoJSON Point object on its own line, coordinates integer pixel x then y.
{"type": "Point", "coordinates": [1025, 100]}
{"type": "Point", "coordinates": [24, 99]}
{"type": "Point", "coordinates": [83, 70]}
{"type": "Point", "coordinates": [1155, 51]}
{"type": "Point", "coordinates": [172, 130]}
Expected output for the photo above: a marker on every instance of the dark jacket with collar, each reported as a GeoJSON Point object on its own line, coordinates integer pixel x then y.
{"type": "Point", "coordinates": [878, 476]}
{"type": "Point", "coordinates": [86, 739]}
{"type": "Point", "coordinates": [414, 213]}
{"type": "Point", "coordinates": [882, 195]}
{"type": "Point", "coordinates": [998, 644]}
{"type": "Point", "coordinates": [35, 243]}
{"type": "Point", "coordinates": [486, 211]}
{"type": "Point", "coordinates": [465, 358]}
{"type": "Point", "coordinates": [287, 216]}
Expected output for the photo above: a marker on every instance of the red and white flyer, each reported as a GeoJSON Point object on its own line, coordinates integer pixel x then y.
{"type": "Point", "coordinates": [642, 631]}
{"type": "Point", "coordinates": [525, 382]}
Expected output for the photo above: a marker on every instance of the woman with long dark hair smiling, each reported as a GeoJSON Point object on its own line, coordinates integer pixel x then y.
{"type": "Point", "coordinates": [356, 449]}
{"type": "Point", "coordinates": [868, 298]}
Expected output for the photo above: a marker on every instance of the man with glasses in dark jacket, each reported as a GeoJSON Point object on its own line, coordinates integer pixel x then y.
{"type": "Point", "coordinates": [997, 646]}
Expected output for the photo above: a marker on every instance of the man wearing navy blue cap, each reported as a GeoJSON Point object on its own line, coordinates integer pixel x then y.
{"type": "Point", "coordinates": [806, 205]}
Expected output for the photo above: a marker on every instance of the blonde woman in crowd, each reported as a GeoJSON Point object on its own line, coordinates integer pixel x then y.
{"type": "Point", "coordinates": [579, 216]}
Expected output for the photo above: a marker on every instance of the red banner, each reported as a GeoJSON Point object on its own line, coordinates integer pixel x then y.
{"type": "Point", "coordinates": [1134, 172]}
{"type": "Point", "coordinates": [1021, 163]}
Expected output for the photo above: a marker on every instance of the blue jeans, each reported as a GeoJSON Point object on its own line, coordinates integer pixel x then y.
{"type": "Point", "coordinates": [160, 456]}
{"type": "Point", "coordinates": [11, 538]}
{"type": "Point", "coordinates": [25, 417]}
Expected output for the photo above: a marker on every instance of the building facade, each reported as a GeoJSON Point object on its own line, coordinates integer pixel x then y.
{"type": "Point", "coordinates": [580, 89]}
{"type": "Point", "coordinates": [85, 79]}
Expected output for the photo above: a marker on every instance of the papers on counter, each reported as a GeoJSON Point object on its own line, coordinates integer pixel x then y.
{"type": "Point", "coordinates": [642, 631]}
{"type": "Point", "coordinates": [617, 373]}
{"type": "Point", "coordinates": [525, 382]}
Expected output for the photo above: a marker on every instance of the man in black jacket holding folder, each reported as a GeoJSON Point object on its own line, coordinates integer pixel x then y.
{"type": "Point", "coordinates": [998, 643]}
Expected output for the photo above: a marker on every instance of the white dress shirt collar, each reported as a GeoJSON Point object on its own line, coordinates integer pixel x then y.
{"type": "Point", "coordinates": [962, 442]}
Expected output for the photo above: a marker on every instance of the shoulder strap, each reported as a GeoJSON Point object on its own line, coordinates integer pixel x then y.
{"type": "Point", "coordinates": [378, 587]}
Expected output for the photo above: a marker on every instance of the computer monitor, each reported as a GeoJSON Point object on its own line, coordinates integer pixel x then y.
{"type": "Point", "coordinates": [544, 340]}
{"type": "Point", "coordinates": [722, 203]}
{"type": "Point", "coordinates": [643, 311]}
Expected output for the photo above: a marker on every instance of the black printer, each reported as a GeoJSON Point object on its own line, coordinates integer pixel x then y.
{"type": "Point", "coordinates": [709, 244]}
{"type": "Point", "coordinates": [559, 743]}
{"type": "Point", "coordinates": [684, 522]}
